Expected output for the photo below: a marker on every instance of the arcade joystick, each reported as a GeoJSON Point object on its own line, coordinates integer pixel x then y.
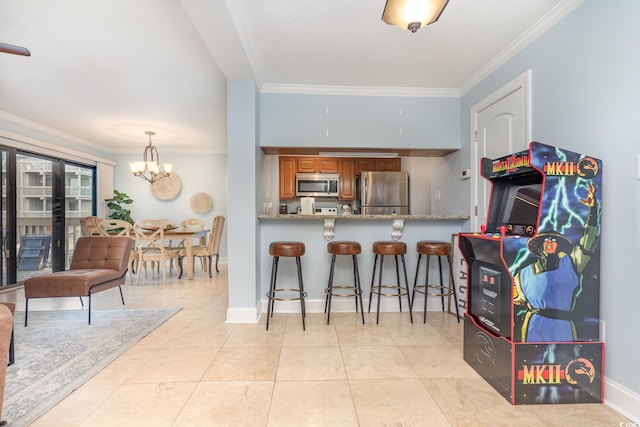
{"type": "Point", "coordinates": [483, 228]}
{"type": "Point", "coordinates": [503, 230]}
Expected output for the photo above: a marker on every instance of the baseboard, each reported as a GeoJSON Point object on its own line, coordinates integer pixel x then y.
{"type": "Point", "coordinates": [243, 315]}
{"type": "Point", "coordinates": [622, 400]}
{"type": "Point", "coordinates": [338, 305]}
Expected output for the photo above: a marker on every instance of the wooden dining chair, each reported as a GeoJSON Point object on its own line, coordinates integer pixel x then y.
{"type": "Point", "coordinates": [195, 224]}
{"type": "Point", "coordinates": [211, 249]}
{"type": "Point", "coordinates": [118, 227]}
{"type": "Point", "coordinates": [89, 225]}
{"type": "Point", "coordinates": [150, 245]}
{"type": "Point", "coordinates": [171, 244]}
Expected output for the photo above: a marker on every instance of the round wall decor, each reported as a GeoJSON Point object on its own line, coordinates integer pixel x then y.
{"type": "Point", "coordinates": [201, 203]}
{"type": "Point", "coordinates": [167, 188]}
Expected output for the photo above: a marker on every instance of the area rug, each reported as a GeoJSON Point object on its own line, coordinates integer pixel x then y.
{"type": "Point", "coordinates": [59, 351]}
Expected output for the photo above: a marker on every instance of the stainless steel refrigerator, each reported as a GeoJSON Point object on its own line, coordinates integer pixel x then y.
{"type": "Point", "coordinates": [384, 193]}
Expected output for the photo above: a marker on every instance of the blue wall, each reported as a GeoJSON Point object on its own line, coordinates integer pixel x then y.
{"type": "Point", "coordinates": [289, 120]}
{"type": "Point", "coordinates": [585, 89]}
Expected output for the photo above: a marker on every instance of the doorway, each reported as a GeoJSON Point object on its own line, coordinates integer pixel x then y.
{"type": "Point", "coordinates": [500, 125]}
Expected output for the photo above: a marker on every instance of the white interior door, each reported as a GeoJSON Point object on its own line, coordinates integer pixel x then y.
{"type": "Point", "coordinates": [500, 126]}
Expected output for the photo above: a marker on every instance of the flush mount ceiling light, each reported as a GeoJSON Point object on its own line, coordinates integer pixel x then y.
{"type": "Point", "coordinates": [411, 15]}
{"type": "Point", "coordinates": [149, 168]}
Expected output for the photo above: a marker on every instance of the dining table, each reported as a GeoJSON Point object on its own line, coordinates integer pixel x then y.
{"type": "Point", "coordinates": [187, 236]}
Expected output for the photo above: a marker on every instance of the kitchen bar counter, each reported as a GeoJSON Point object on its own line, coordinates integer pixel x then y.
{"type": "Point", "coordinates": [316, 230]}
{"type": "Point", "coordinates": [368, 217]}
{"type": "Point", "coordinates": [397, 220]}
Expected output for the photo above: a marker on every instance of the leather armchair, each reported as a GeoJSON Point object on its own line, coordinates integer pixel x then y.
{"type": "Point", "coordinates": [6, 329]}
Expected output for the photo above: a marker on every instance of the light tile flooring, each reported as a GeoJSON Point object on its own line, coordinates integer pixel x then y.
{"type": "Point", "coordinates": [196, 370]}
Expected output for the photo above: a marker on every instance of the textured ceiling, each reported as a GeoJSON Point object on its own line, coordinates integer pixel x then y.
{"type": "Point", "coordinates": [105, 72]}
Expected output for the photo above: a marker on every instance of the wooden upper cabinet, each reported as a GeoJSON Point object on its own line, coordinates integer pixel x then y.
{"type": "Point", "coordinates": [327, 165]}
{"type": "Point", "coordinates": [391, 165]}
{"type": "Point", "coordinates": [317, 165]}
{"type": "Point", "coordinates": [378, 165]}
{"type": "Point", "coordinates": [365, 165]}
{"type": "Point", "coordinates": [306, 165]}
{"type": "Point", "coordinates": [287, 178]}
{"type": "Point", "coordinates": [347, 179]}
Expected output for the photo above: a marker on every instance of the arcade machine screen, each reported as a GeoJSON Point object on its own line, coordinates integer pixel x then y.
{"type": "Point", "coordinates": [515, 205]}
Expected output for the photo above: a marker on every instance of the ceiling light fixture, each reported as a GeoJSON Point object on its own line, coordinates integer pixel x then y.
{"type": "Point", "coordinates": [149, 168]}
{"type": "Point", "coordinates": [411, 15]}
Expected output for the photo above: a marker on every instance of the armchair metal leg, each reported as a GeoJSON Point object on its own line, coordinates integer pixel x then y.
{"type": "Point", "coordinates": [12, 353]}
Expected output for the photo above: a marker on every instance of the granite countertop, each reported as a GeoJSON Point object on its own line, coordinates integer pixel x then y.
{"type": "Point", "coordinates": [367, 217]}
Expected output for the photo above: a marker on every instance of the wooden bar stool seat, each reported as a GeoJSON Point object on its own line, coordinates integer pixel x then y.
{"type": "Point", "coordinates": [287, 250]}
{"type": "Point", "coordinates": [395, 249]}
{"type": "Point", "coordinates": [439, 249]}
{"type": "Point", "coordinates": [347, 248]}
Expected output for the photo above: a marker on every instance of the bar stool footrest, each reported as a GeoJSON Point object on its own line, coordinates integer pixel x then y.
{"type": "Point", "coordinates": [273, 297]}
{"type": "Point", "coordinates": [402, 291]}
{"type": "Point", "coordinates": [345, 287]}
{"type": "Point", "coordinates": [447, 290]}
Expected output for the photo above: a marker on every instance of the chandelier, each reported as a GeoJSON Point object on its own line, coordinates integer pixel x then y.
{"type": "Point", "coordinates": [412, 15]}
{"type": "Point", "coordinates": [149, 167]}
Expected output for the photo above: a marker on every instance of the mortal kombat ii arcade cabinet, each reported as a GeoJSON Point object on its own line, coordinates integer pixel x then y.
{"type": "Point", "coordinates": [533, 281]}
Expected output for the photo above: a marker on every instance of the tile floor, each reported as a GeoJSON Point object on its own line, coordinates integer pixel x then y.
{"type": "Point", "coordinates": [196, 370]}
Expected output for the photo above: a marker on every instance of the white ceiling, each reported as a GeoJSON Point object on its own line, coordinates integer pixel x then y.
{"type": "Point", "coordinates": [105, 72]}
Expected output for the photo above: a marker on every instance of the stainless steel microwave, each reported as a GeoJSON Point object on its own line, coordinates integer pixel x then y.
{"type": "Point", "coordinates": [317, 184]}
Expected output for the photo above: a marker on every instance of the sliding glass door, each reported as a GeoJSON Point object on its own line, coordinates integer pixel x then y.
{"type": "Point", "coordinates": [34, 212]}
{"type": "Point", "coordinates": [43, 199]}
{"type": "Point", "coordinates": [5, 244]}
{"type": "Point", "coordinates": [79, 193]}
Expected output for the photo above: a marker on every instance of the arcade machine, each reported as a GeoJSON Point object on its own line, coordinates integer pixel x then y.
{"type": "Point", "coordinates": [532, 319]}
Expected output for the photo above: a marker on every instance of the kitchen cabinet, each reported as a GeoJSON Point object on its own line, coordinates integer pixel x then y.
{"type": "Point", "coordinates": [317, 165]}
{"type": "Point", "coordinates": [287, 178]}
{"type": "Point", "coordinates": [390, 165]}
{"type": "Point", "coordinates": [378, 165]}
{"type": "Point", "coordinates": [347, 169]}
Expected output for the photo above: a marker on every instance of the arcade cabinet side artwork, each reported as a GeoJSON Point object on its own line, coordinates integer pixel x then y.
{"type": "Point", "coordinates": [533, 279]}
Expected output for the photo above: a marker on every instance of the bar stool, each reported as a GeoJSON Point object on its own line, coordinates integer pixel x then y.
{"type": "Point", "coordinates": [343, 248]}
{"type": "Point", "coordinates": [290, 250]}
{"type": "Point", "coordinates": [439, 249]}
{"type": "Point", "coordinates": [380, 249]}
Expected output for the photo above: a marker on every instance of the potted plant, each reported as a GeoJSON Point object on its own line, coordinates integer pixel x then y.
{"type": "Point", "coordinates": [118, 210]}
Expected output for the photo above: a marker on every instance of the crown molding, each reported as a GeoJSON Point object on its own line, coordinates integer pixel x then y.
{"type": "Point", "coordinates": [27, 143]}
{"type": "Point", "coordinates": [48, 130]}
{"type": "Point", "coordinates": [561, 10]}
{"type": "Point", "coordinates": [417, 92]}
{"type": "Point", "coordinates": [169, 150]}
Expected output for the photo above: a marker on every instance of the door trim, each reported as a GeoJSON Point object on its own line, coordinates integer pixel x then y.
{"type": "Point", "coordinates": [523, 81]}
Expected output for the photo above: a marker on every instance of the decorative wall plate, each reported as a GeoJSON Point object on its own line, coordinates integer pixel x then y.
{"type": "Point", "coordinates": [201, 203]}
{"type": "Point", "coordinates": [167, 188]}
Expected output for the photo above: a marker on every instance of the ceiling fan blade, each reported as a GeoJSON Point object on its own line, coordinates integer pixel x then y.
{"type": "Point", "coordinates": [16, 50]}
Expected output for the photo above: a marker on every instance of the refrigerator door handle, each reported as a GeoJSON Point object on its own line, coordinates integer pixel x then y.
{"type": "Point", "coordinates": [365, 190]}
